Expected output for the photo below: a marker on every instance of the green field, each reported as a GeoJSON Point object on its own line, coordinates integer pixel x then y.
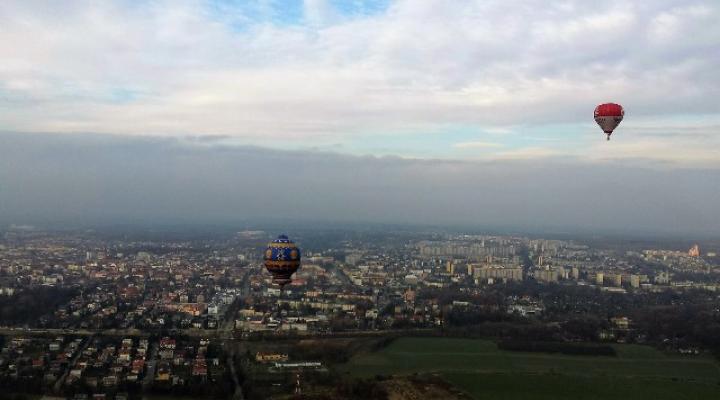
{"type": "Point", "coordinates": [484, 371]}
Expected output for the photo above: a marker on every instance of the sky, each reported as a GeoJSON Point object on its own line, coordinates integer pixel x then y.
{"type": "Point", "coordinates": [475, 112]}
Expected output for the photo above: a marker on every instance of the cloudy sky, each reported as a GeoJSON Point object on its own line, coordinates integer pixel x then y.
{"type": "Point", "coordinates": [438, 109]}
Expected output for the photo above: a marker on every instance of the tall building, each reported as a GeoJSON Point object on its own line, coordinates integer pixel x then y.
{"type": "Point", "coordinates": [694, 251]}
{"type": "Point", "coordinates": [548, 274]}
{"type": "Point", "coordinates": [635, 281]}
{"type": "Point", "coordinates": [599, 277]}
{"type": "Point", "coordinates": [450, 267]}
{"type": "Point", "coordinates": [575, 273]}
{"type": "Point", "coordinates": [497, 272]}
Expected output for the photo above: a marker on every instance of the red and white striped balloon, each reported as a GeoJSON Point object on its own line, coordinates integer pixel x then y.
{"type": "Point", "coordinates": [608, 116]}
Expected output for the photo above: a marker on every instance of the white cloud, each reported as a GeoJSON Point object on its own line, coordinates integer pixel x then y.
{"type": "Point", "coordinates": [531, 152]}
{"type": "Point", "coordinates": [420, 65]}
{"type": "Point", "coordinates": [476, 145]}
{"type": "Point", "coordinates": [318, 12]}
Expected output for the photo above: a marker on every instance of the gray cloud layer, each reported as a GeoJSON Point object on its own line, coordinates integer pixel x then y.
{"type": "Point", "coordinates": [88, 178]}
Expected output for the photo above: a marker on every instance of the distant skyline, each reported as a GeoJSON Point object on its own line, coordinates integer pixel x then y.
{"type": "Point", "coordinates": [470, 113]}
{"type": "Point", "coordinates": [422, 79]}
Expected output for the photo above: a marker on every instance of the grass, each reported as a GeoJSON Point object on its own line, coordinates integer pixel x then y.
{"type": "Point", "coordinates": [561, 387]}
{"type": "Point", "coordinates": [481, 369]}
{"type": "Point", "coordinates": [168, 397]}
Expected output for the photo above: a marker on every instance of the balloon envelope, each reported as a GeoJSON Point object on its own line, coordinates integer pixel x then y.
{"type": "Point", "coordinates": [608, 116]}
{"type": "Point", "coordinates": [282, 259]}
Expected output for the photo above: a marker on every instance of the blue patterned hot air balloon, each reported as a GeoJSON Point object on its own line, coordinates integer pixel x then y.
{"type": "Point", "coordinates": [282, 259]}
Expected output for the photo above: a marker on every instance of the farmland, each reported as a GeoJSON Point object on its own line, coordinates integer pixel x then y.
{"type": "Point", "coordinates": [483, 371]}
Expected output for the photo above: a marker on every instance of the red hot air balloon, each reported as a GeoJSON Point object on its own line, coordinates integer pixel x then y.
{"type": "Point", "coordinates": [608, 116]}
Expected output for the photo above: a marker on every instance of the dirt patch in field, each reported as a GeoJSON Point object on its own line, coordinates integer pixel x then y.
{"type": "Point", "coordinates": [430, 387]}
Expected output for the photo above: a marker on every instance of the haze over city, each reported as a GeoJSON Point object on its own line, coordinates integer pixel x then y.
{"type": "Point", "coordinates": [106, 180]}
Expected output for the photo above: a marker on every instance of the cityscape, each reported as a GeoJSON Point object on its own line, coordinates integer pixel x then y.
{"type": "Point", "coordinates": [90, 315]}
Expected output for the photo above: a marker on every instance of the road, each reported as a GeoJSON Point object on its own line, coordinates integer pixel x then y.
{"type": "Point", "coordinates": [5, 331]}
{"type": "Point", "coordinates": [151, 365]}
{"type": "Point", "coordinates": [71, 365]}
{"type": "Point", "coordinates": [230, 350]}
{"type": "Point", "coordinates": [220, 334]}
